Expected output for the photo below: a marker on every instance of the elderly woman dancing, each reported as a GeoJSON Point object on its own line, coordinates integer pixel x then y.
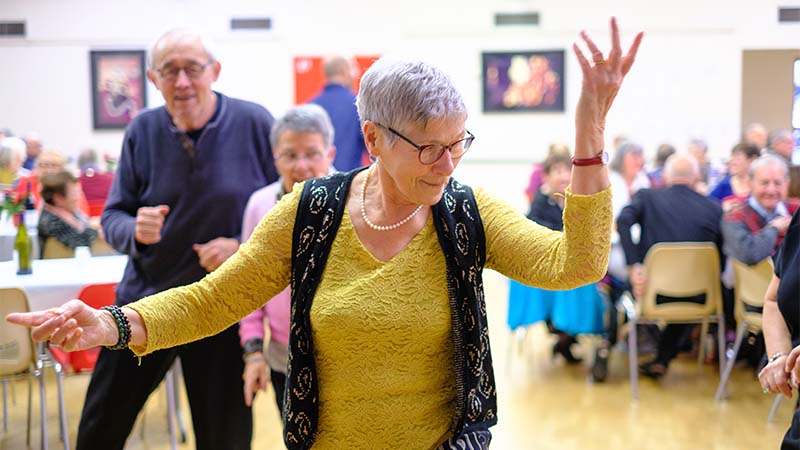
{"type": "Point", "coordinates": [388, 345]}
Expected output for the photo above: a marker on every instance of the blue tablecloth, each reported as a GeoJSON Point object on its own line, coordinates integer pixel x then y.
{"type": "Point", "coordinates": [576, 311]}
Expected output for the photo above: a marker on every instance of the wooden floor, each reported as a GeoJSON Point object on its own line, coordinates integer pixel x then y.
{"type": "Point", "coordinates": [543, 404]}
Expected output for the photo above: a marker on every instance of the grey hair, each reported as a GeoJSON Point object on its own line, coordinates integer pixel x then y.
{"type": "Point", "coordinates": [768, 160]}
{"type": "Point", "coordinates": [11, 148]}
{"type": "Point", "coordinates": [396, 93]}
{"type": "Point", "coordinates": [308, 118]}
{"type": "Point", "coordinates": [699, 143]}
{"type": "Point", "coordinates": [619, 156]}
{"type": "Point", "coordinates": [780, 133]}
{"type": "Point", "coordinates": [178, 35]}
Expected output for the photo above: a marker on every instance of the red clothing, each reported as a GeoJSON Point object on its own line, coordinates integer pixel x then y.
{"type": "Point", "coordinates": [96, 187]}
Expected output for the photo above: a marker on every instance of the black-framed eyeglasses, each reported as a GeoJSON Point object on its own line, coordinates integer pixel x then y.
{"type": "Point", "coordinates": [430, 153]}
{"type": "Point", "coordinates": [192, 70]}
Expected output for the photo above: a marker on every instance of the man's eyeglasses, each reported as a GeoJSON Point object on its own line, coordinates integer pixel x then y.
{"type": "Point", "coordinates": [294, 157]}
{"type": "Point", "coordinates": [430, 153]}
{"type": "Point", "coordinates": [192, 70]}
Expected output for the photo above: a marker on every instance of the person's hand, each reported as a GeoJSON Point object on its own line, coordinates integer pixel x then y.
{"type": "Point", "coordinates": [792, 367]}
{"type": "Point", "coordinates": [638, 280]}
{"type": "Point", "coordinates": [602, 79]}
{"type": "Point", "coordinates": [781, 223]}
{"type": "Point", "coordinates": [214, 252]}
{"type": "Point", "coordinates": [72, 326]}
{"type": "Point", "coordinates": [149, 221]}
{"type": "Point", "coordinates": [255, 377]}
{"type": "Point", "coordinates": [774, 377]}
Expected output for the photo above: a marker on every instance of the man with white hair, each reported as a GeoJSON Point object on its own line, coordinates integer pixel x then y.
{"type": "Point", "coordinates": [781, 144]}
{"type": "Point", "coordinates": [675, 214]}
{"type": "Point", "coordinates": [338, 100]}
{"type": "Point", "coordinates": [754, 229]}
{"type": "Point", "coordinates": [175, 208]}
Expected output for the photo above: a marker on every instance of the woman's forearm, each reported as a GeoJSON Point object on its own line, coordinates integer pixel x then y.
{"type": "Point", "coordinates": [776, 334]}
{"type": "Point", "coordinates": [138, 330]}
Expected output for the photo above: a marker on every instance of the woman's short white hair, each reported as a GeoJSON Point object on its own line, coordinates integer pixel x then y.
{"type": "Point", "coordinates": [12, 149]}
{"type": "Point", "coordinates": [395, 93]}
{"type": "Point", "coordinates": [308, 118]}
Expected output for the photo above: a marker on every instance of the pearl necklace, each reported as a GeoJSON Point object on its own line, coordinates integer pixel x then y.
{"type": "Point", "coordinates": [364, 211]}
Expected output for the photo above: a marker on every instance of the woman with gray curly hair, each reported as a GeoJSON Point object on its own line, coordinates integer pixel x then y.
{"type": "Point", "coordinates": [388, 344]}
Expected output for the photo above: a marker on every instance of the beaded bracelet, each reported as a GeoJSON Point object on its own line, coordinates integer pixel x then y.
{"type": "Point", "coordinates": [123, 326]}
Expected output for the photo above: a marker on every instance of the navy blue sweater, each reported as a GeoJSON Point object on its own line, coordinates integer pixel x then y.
{"type": "Point", "coordinates": [206, 191]}
{"type": "Point", "coordinates": [340, 104]}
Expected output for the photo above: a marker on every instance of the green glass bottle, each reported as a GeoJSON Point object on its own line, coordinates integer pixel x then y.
{"type": "Point", "coordinates": [23, 245]}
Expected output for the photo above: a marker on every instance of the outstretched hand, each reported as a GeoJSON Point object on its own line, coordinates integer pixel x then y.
{"type": "Point", "coordinates": [602, 78]}
{"type": "Point", "coordinates": [73, 326]}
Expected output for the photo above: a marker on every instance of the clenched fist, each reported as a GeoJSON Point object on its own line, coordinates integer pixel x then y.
{"type": "Point", "coordinates": [149, 222]}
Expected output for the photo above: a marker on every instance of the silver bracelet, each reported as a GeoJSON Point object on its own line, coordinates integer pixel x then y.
{"type": "Point", "coordinates": [775, 357]}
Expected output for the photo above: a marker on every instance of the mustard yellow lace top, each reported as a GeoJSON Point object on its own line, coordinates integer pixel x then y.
{"type": "Point", "coordinates": [382, 333]}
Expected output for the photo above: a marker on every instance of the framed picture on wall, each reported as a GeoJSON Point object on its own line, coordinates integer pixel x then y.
{"type": "Point", "coordinates": [523, 81]}
{"type": "Point", "coordinates": [118, 87]}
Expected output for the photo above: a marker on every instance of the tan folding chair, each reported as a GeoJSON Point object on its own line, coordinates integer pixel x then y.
{"type": "Point", "coordinates": [677, 269]}
{"type": "Point", "coordinates": [53, 249]}
{"type": "Point", "coordinates": [101, 248]}
{"type": "Point", "coordinates": [21, 358]}
{"type": "Point", "coordinates": [749, 286]}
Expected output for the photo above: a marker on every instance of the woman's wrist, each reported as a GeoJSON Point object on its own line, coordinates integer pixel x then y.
{"type": "Point", "coordinates": [777, 356]}
{"type": "Point", "coordinates": [111, 333]}
{"type": "Point", "coordinates": [254, 357]}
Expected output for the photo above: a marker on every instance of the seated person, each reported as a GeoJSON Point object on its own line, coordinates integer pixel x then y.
{"type": "Point", "coordinates": [675, 214]}
{"type": "Point", "coordinates": [12, 154]}
{"type": "Point", "coordinates": [656, 176]}
{"type": "Point", "coordinates": [735, 186]}
{"type": "Point", "coordinates": [568, 312]}
{"type": "Point", "coordinates": [49, 161]}
{"type": "Point", "coordinates": [755, 228]}
{"type": "Point", "coordinates": [60, 218]}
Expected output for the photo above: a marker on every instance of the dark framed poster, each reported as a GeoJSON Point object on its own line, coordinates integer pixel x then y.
{"type": "Point", "coordinates": [523, 81]}
{"type": "Point", "coordinates": [118, 87]}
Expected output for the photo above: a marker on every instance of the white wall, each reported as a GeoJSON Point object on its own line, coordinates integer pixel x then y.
{"type": "Point", "coordinates": [686, 82]}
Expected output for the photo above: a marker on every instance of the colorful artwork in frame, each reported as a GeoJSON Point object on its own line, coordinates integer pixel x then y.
{"type": "Point", "coordinates": [523, 81]}
{"type": "Point", "coordinates": [118, 87]}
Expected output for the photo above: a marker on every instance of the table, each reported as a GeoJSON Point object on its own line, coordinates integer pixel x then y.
{"type": "Point", "coordinates": [55, 281]}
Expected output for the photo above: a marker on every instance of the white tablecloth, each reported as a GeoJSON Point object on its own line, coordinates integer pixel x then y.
{"type": "Point", "coordinates": [55, 281]}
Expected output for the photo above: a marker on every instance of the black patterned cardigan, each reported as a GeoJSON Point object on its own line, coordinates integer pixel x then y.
{"type": "Point", "coordinates": [460, 232]}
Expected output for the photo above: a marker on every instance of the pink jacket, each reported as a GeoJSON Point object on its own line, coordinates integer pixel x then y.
{"type": "Point", "coordinates": [276, 311]}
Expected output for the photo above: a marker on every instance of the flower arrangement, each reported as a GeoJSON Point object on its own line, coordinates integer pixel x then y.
{"type": "Point", "coordinates": [14, 203]}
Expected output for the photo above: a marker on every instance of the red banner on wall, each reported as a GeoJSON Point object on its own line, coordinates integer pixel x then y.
{"type": "Point", "coordinates": [309, 76]}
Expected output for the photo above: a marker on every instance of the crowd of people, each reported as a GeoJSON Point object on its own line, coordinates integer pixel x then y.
{"type": "Point", "coordinates": [67, 197]}
{"type": "Point", "coordinates": [369, 278]}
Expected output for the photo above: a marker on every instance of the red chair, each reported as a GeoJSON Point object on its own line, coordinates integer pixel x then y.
{"type": "Point", "coordinates": [96, 208]}
{"type": "Point", "coordinates": [96, 296]}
